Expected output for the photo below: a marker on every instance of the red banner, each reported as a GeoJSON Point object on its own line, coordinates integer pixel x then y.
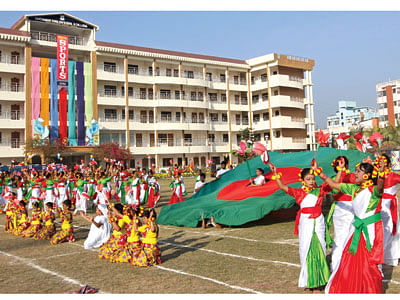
{"type": "Point", "coordinates": [62, 57]}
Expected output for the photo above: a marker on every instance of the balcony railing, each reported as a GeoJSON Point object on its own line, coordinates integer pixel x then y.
{"type": "Point", "coordinates": [13, 143]}
{"type": "Point", "coordinates": [110, 118]}
{"type": "Point", "coordinates": [297, 119]}
{"type": "Point", "coordinates": [295, 78]}
{"type": "Point", "coordinates": [11, 59]}
{"type": "Point", "coordinates": [296, 99]}
{"type": "Point", "coordinates": [12, 115]}
{"type": "Point", "coordinates": [52, 37]}
{"type": "Point", "coordinates": [241, 81]}
{"type": "Point", "coordinates": [11, 87]}
{"type": "Point", "coordinates": [298, 140]}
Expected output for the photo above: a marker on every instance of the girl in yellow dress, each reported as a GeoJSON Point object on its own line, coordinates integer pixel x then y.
{"type": "Point", "coordinates": [150, 254]}
{"type": "Point", "coordinates": [36, 222]}
{"type": "Point", "coordinates": [118, 222]}
{"type": "Point", "coordinates": [132, 246]}
{"type": "Point", "coordinates": [67, 232]}
{"type": "Point", "coordinates": [11, 215]}
{"type": "Point", "coordinates": [49, 228]}
{"type": "Point", "coordinates": [22, 217]}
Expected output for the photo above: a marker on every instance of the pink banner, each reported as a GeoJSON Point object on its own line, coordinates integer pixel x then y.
{"type": "Point", "coordinates": [35, 89]}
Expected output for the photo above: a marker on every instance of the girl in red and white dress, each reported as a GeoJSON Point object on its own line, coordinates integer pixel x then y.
{"type": "Point", "coordinates": [390, 212]}
{"type": "Point", "coordinates": [178, 189]}
{"type": "Point", "coordinates": [358, 269]}
{"type": "Point", "coordinates": [310, 226]}
{"type": "Point", "coordinates": [154, 190]}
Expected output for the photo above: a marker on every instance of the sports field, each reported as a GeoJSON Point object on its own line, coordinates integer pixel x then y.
{"type": "Point", "coordinates": [261, 257]}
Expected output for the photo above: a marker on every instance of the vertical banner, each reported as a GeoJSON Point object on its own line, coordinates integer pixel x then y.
{"type": "Point", "coordinates": [53, 101]}
{"type": "Point", "coordinates": [71, 105]}
{"type": "Point", "coordinates": [63, 116]}
{"type": "Point", "coordinates": [80, 103]}
{"type": "Point", "coordinates": [35, 91]}
{"type": "Point", "coordinates": [88, 93]}
{"type": "Point", "coordinates": [44, 91]}
{"type": "Point", "coordinates": [62, 59]}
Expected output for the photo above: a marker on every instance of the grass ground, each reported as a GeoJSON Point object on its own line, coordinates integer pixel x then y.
{"type": "Point", "coordinates": [260, 257]}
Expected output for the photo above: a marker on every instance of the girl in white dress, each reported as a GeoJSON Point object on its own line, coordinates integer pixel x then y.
{"type": "Point", "coordinates": [100, 230]}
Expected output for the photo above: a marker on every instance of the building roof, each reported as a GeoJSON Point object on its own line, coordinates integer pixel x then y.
{"type": "Point", "coordinates": [168, 52]}
{"type": "Point", "coordinates": [14, 32]}
{"type": "Point", "coordinates": [15, 26]}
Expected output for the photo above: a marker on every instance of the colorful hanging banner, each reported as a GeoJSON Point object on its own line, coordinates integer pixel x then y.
{"type": "Point", "coordinates": [53, 101]}
{"type": "Point", "coordinates": [80, 104]}
{"type": "Point", "coordinates": [88, 93]}
{"type": "Point", "coordinates": [71, 105]}
{"type": "Point", "coordinates": [62, 59]}
{"type": "Point", "coordinates": [396, 160]}
{"type": "Point", "coordinates": [35, 88]}
{"type": "Point", "coordinates": [44, 91]}
{"type": "Point", "coordinates": [63, 116]}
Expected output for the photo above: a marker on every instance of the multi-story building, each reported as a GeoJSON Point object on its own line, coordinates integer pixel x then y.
{"type": "Point", "coordinates": [349, 115]}
{"type": "Point", "coordinates": [160, 104]}
{"type": "Point", "coordinates": [388, 99]}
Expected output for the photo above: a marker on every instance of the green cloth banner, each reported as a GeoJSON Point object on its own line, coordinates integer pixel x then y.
{"type": "Point", "coordinates": [88, 93]}
{"type": "Point", "coordinates": [233, 213]}
{"type": "Point", "coordinates": [71, 105]}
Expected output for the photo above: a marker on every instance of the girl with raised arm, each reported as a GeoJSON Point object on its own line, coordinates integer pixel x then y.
{"type": "Point", "coordinates": [358, 270]}
{"type": "Point", "coordinates": [310, 226]}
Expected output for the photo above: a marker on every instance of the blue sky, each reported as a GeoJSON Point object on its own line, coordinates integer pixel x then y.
{"type": "Point", "coordinates": [353, 50]}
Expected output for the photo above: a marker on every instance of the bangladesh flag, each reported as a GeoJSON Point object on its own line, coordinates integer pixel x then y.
{"type": "Point", "coordinates": [230, 199]}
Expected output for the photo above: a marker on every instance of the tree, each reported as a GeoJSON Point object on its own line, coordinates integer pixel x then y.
{"type": "Point", "coordinates": [111, 151]}
{"type": "Point", "coordinates": [247, 134]}
{"type": "Point", "coordinates": [45, 148]}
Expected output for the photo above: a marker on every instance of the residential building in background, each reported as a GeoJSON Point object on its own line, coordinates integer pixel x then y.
{"type": "Point", "coordinates": [388, 99]}
{"type": "Point", "coordinates": [162, 105]}
{"type": "Point", "coordinates": [349, 115]}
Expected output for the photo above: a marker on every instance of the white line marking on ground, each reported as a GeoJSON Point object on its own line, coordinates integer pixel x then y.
{"type": "Point", "coordinates": [231, 255]}
{"type": "Point", "coordinates": [209, 279]}
{"type": "Point", "coordinates": [192, 275]}
{"type": "Point", "coordinates": [58, 255]}
{"type": "Point", "coordinates": [37, 267]}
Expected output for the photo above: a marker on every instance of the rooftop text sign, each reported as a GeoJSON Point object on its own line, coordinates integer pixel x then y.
{"type": "Point", "coordinates": [62, 59]}
{"type": "Point", "coordinates": [61, 20]}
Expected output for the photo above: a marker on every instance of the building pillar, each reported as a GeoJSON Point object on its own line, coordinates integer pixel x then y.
{"type": "Point", "coordinates": [248, 99]}
{"type": "Point", "coordinates": [155, 97]}
{"type": "Point", "coordinates": [390, 105]}
{"type": "Point", "coordinates": [93, 58]}
{"type": "Point", "coordinates": [269, 108]}
{"type": "Point", "coordinates": [228, 99]}
{"type": "Point", "coordinates": [127, 134]}
{"type": "Point", "coordinates": [28, 100]}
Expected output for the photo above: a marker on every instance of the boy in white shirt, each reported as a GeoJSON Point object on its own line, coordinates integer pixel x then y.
{"type": "Point", "coordinates": [200, 184]}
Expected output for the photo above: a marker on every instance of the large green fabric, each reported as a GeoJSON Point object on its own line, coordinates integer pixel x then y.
{"type": "Point", "coordinates": [232, 213]}
{"type": "Point", "coordinates": [317, 267]}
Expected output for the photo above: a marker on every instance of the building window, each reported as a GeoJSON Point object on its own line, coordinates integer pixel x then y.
{"type": "Point", "coordinates": [212, 97]}
{"type": "Point", "coordinates": [277, 113]}
{"type": "Point", "coordinates": [131, 114]}
{"type": "Point", "coordinates": [15, 87]}
{"type": "Point", "coordinates": [143, 116]}
{"type": "Point", "coordinates": [263, 77]}
{"type": "Point", "coordinates": [1, 138]}
{"type": "Point", "coordinates": [188, 74]}
{"type": "Point", "coordinates": [0, 110]}
{"type": "Point", "coordinates": [0, 57]}
{"type": "Point", "coordinates": [165, 94]}
{"type": "Point", "coordinates": [142, 93]}
{"type": "Point", "coordinates": [236, 79]}
{"type": "Point", "coordinates": [224, 117]}
{"type": "Point", "coordinates": [166, 116]}
{"type": "Point", "coordinates": [110, 90]}
{"type": "Point", "coordinates": [15, 57]}
{"type": "Point", "coordinates": [187, 137]}
{"type": "Point", "coordinates": [223, 98]}
{"type": "Point", "coordinates": [0, 83]}
{"type": "Point", "coordinates": [139, 140]}
{"type": "Point", "coordinates": [257, 137]}
{"type": "Point", "coordinates": [133, 69]}
{"type": "Point", "coordinates": [110, 114]}
{"type": "Point", "coordinates": [225, 138]}
{"type": "Point", "coordinates": [157, 71]}
{"type": "Point", "coordinates": [167, 162]}
{"type": "Point", "coordinates": [214, 117]}
{"type": "Point", "coordinates": [201, 117]}
{"type": "Point", "coordinates": [209, 76]}
{"type": "Point", "coordinates": [200, 96]}
{"type": "Point", "coordinates": [222, 78]}
{"type": "Point", "coordinates": [237, 99]}
{"type": "Point", "coordinates": [254, 99]}
{"type": "Point", "coordinates": [178, 116]}
{"type": "Point", "coordinates": [110, 67]}
{"type": "Point", "coordinates": [253, 80]}
{"type": "Point", "coordinates": [193, 96]}
{"type": "Point", "coordinates": [15, 137]}
{"type": "Point", "coordinates": [256, 118]}
{"type": "Point", "coordinates": [176, 73]}
{"type": "Point", "coordinates": [150, 71]}
{"type": "Point", "coordinates": [277, 134]}
{"type": "Point", "coordinates": [151, 116]}
{"type": "Point", "coordinates": [123, 114]}
{"type": "Point", "coordinates": [265, 116]}
{"type": "Point", "coordinates": [275, 73]}
{"type": "Point", "coordinates": [168, 72]}
{"type": "Point", "coordinates": [211, 137]}
{"type": "Point", "coordinates": [264, 97]}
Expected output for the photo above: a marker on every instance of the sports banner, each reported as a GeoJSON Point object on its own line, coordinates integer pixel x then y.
{"type": "Point", "coordinates": [62, 60]}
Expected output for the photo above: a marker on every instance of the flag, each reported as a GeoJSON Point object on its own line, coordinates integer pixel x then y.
{"type": "Point", "coordinates": [341, 139]}
{"type": "Point", "coordinates": [232, 202]}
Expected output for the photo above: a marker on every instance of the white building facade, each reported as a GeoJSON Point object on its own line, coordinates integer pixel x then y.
{"type": "Point", "coordinates": [162, 105]}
